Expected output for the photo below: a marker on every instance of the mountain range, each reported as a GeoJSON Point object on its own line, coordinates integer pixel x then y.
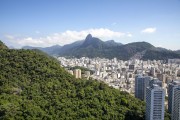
{"type": "Point", "coordinates": [95, 47]}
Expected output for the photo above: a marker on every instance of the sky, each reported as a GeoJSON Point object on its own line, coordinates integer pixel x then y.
{"type": "Point", "coordinates": [44, 23]}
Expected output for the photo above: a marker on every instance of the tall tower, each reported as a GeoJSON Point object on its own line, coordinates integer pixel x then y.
{"type": "Point", "coordinates": [141, 83]}
{"type": "Point", "coordinates": [174, 100]}
{"type": "Point", "coordinates": [155, 96]}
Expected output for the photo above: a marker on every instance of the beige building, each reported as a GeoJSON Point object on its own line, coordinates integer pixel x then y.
{"type": "Point", "coordinates": [77, 73]}
{"type": "Point", "coordinates": [71, 72]}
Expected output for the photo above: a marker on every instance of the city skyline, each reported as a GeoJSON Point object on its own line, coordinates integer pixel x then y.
{"type": "Point", "coordinates": [47, 23]}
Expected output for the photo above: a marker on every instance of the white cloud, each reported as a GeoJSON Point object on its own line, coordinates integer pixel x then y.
{"type": "Point", "coordinates": [68, 37]}
{"type": "Point", "coordinates": [149, 30]}
{"type": "Point", "coordinates": [129, 34]}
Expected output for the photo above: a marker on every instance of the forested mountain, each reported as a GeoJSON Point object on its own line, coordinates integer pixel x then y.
{"type": "Point", "coordinates": [177, 51]}
{"type": "Point", "coordinates": [53, 50]}
{"type": "Point", "coordinates": [94, 47]}
{"type": "Point", "coordinates": [113, 43]}
{"type": "Point", "coordinates": [160, 54]}
{"type": "Point", "coordinates": [70, 46]}
{"type": "Point", "coordinates": [34, 86]}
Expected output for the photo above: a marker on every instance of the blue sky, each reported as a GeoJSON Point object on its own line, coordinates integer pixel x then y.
{"type": "Point", "coordinates": [49, 22]}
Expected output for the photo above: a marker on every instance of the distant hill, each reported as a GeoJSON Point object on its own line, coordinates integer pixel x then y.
{"type": "Point", "coordinates": [33, 86]}
{"type": "Point", "coordinates": [129, 50]}
{"type": "Point", "coordinates": [93, 42]}
{"type": "Point", "coordinates": [70, 46]}
{"type": "Point", "coordinates": [95, 47]}
{"type": "Point", "coordinates": [113, 43]}
{"type": "Point", "coordinates": [90, 47]}
{"type": "Point", "coordinates": [177, 51]}
{"type": "Point", "coordinates": [160, 54]}
{"type": "Point", "coordinates": [53, 50]}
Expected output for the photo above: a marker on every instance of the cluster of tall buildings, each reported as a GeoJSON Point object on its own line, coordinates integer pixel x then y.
{"type": "Point", "coordinates": [152, 92]}
{"type": "Point", "coordinates": [150, 81]}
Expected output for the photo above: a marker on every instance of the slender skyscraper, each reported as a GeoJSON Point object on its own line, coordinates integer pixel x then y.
{"type": "Point", "coordinates": [155, 96]}
{"type": "Point", "coordinates": [141, 83]}
{"type": "Point", "coordinates": [174, 100]}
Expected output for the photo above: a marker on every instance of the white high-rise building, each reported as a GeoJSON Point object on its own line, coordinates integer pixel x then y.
{"type": "Point", "coordinates": [174, 100]}
{"type": "Point", "coordinates": [155, 97]}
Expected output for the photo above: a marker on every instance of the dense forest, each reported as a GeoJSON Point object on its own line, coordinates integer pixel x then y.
{"type": "Point", "coordinates": [34, 86]}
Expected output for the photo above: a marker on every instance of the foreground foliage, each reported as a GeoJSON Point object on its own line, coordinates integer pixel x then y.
{"type": "Point", "coordinates": [34, 86]}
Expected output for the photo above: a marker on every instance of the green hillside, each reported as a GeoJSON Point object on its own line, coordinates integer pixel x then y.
{"type": "Point", "coordinates": [2, 46]}
{"type": "Point", "coordinates": [160, 54]}
{"type": "Point", "coordinates": [34, 86]}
